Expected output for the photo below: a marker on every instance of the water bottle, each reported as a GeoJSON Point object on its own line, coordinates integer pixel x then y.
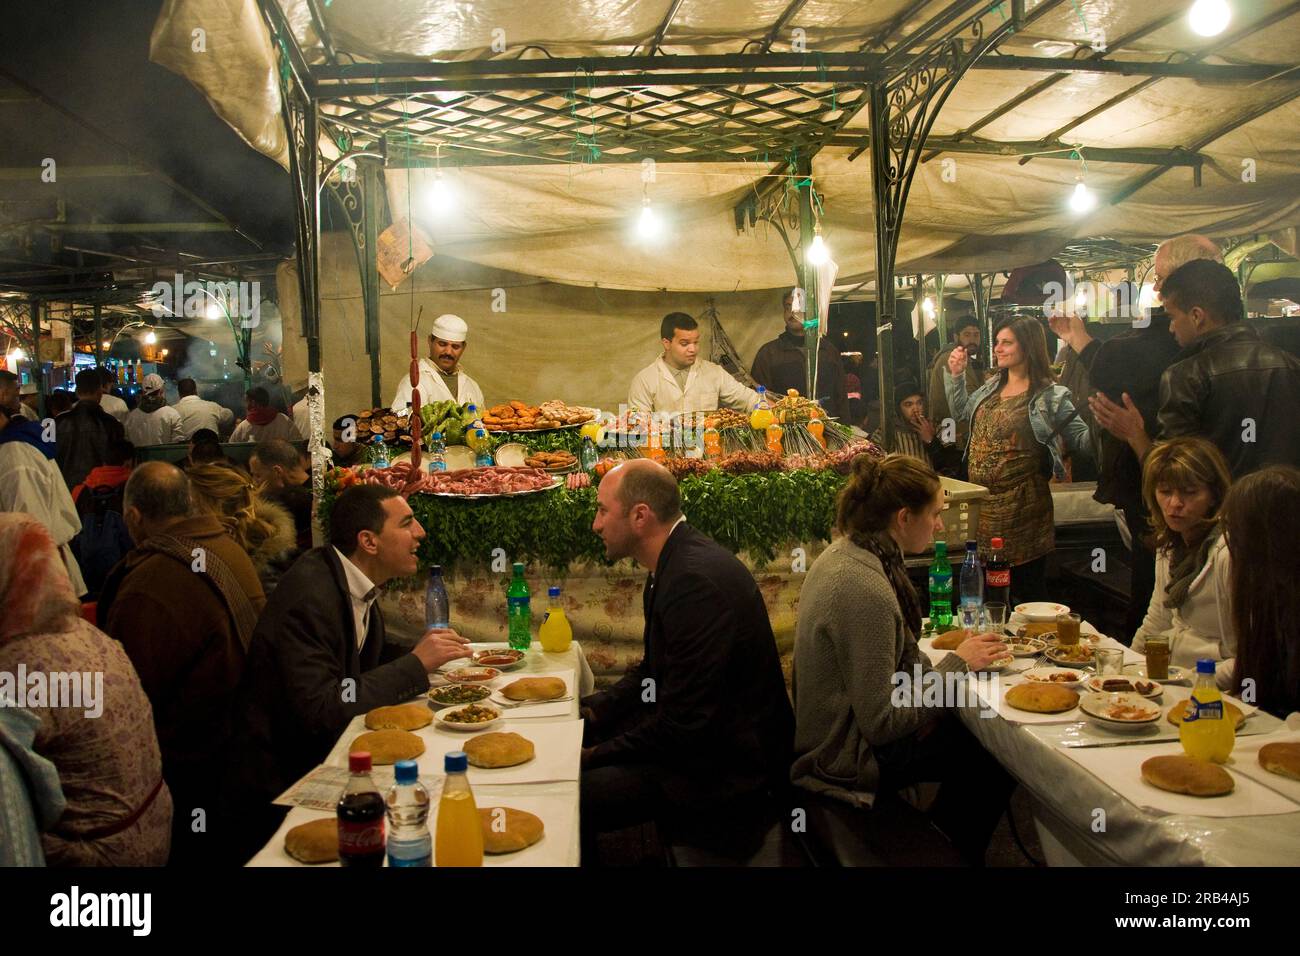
{"type": "Point", "coordinates": [941, 588]}
{"type": "Point", "coordinates": [482, 450]}
{"type": "Point", "coordinates": [519, 610]}
{"type": "Point", "coordinates": [437, 608]}
{"type": "Point", "coordinates": [588, 458]}
{"type": "Point", "coordinates": [378, 452]}
{"type": "Point", "coordinates": [972, 587]}
{"type": "Point", "coordinates": [437, 453]}
{"type": "Point", "coordinates": [409, 841]}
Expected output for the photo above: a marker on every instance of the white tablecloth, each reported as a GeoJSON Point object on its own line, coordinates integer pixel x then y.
{"type": "Point", "coordinates": [558, 740]}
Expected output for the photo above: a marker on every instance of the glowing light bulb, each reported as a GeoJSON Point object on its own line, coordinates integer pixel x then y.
{"type": "Point", "coordinates": [150, 338]}
{"type": "Point", "coordinates": [818, 251]}
{"type": "Point", "coordinates": [442, 197]}
{"type": "Point", "coordinates": [17, 355]}
{"type": "Point", "coordinates": [1209, 18]}
{"type": "Point", "coordinates": [648, 225]}
{"type": "Point", "coordinates": [1082, 199]}
{"type": "Point", "coordinates": [214, 310]}
{"type": "Point", "coordinates": [107, 344]}
{"type": "Point", "coordinates": [927, 306]}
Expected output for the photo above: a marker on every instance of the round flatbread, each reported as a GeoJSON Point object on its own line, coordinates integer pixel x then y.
{"type": "Point", "coordinates": [1175, 715]}
{"type": "Point", "coordinates": [402, 717]}
{"type": "Point", "coordinates": [1282, 759]}
{"type": "Point", "coordinates": [507, 830]}
{"type": "Point", "coordinates": [535, 688]}
{"type": "Point", "coordinates": [388, 746]}
{"type": "Point", "coordinates": [1179, 773]}
{"type": "Point", "coordinates": [1042, 698]}
{"type": "Point", "coordinates": [949, 640]}
{"type": "Point", "coordinates": [498, 750]}
{"type": "Point", "coordinates": [314, 842]}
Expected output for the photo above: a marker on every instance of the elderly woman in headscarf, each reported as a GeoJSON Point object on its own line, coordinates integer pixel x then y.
{"type": "Point", "coordinates": [118, 809]}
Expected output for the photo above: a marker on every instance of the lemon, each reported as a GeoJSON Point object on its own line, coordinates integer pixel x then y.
{"type": "Point", "coordinates": [593, 430]}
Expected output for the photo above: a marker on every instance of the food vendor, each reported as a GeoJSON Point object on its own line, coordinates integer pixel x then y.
{"type": "Point", "coordinates": [441, 377]}
{"type": "Point", "coordinates": [782, 364]}
{"type": "Point", "coordinates": [679, 381]}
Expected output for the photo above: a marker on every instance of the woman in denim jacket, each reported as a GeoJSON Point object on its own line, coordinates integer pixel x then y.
{"type": "Point", "coordinates": [1018, 420]}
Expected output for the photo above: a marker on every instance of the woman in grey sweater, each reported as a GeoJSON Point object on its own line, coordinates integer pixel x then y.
{"type": "Point", "coordinates": [856, 737]}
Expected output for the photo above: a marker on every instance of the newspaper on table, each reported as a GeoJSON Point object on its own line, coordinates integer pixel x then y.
{"type": "Point", "coordinates": [321, 788]}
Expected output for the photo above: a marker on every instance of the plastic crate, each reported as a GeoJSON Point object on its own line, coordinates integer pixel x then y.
{"type": "Point", "coordinates": [961, 513]}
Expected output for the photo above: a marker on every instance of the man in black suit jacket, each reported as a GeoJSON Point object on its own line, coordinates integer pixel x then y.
{"type": "Point", "coordinates": [307, 673]}
{"type": "Point", "coordinates": [704, 720]}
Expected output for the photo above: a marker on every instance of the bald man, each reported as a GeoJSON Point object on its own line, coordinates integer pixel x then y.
{"type": "Point", "coordinates": [183, 604]}
{"type": "Point", "coordinates": [702, 724]}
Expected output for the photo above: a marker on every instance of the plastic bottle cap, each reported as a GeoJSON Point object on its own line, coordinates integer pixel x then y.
{"type": "Point", "coordinates": [359, 761]}
{"type": "Point", "coordinates": [437, 436]}
{"type": "Point", "coordinates": [457, 761]}
{"type": "Point", "coordinates": [406, 771]}
{"type": "Point", "coordinates": [553, 592]}
{"type": "Point", "coordinates": [941, 547]}
{"type": "Point", "coordinates": [972, 545]}
{"type": "Point", "coordinates": [436, 569]}
{"type": "Point", "coordinates": [1205, 666]}
{"type": "Point", "coordinates": [519, 567]}
{"type": "Point", "coordinates": [996, 542]}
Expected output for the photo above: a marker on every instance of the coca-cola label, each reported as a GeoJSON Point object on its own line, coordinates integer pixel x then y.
{"type": "Point", "coordinates": [361, 839]}
{"type": "Point", "coordinates": [999, 579]}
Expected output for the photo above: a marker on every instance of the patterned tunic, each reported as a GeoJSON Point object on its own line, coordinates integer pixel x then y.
{"type": "Point", "coordinates": [1007, 459]}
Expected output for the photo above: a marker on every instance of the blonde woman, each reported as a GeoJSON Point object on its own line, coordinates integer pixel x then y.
{"type": "Point", "coordinates": [263, 528]}
{"type": "Point", "coordinates": [1185, 482]}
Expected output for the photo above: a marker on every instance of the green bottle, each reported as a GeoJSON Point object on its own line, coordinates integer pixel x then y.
{"type": "Point", "coordinates": [519, 611]}
{"type": "Point", "coordinates": [941, 588]}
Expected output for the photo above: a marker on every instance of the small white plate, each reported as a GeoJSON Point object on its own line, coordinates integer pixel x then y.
{"type": "Point", "coordinates": [473, 675]}
{"type": "Point", "coordinates": [441, 717]}
{"type": "Point", "coordinates": [1001, 664]}
{"type": "Point", "coordinates": [1027, 647]}
{"type": "Point", "coordinates": [1094, 684]}
{"type": "Point", "coordinates": [1041, 610]}
{"type": "Point", "coordinates": [1056, 655]}
{"type": "Point", "coordinates": [458, 457]}
{"type": "Point", "coordinates": [511, 455]}
{"type": "Point", "coordinates": [519, 662]}
{"type": "Point", "coordinates": [1177, 675]}
{"type": "Point", "coordinates": [1043, 675]}
{"type": "Point", "coordinates": [1096, 706]}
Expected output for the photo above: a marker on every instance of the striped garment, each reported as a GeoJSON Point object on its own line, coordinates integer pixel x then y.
{"type": "Point", "coordinates": [906, 442]}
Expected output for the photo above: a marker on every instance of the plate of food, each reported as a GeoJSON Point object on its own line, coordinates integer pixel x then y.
{"type": "Point", "coordinates": [470, 717]}
{"type": "Point", "coordinates": [1124, 685]}
{"type": "Point", "coordinates": [1176, 674]}
{"type": "Point", "coordinates": [1041, 610]}
{"type": "Point", "coordinates": [502, 658]}
{"type": "Point", "coordinates": [1064, 676]}
{"type": "Point", "coordinates": [1074, 655]}
{"type": "Point", "coordinates": [472, 675]}
{"type": "Point", "coordinates": [1119, 710]}
{"type": "Point", "coordinates": [1026, 647]}
{"type": "Point", "coordinates": [455, 695]}
{"type": "Point", "coordinates": [1001, 664]}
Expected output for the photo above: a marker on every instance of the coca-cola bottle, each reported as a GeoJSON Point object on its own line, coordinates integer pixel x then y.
{"type": "Point", "coordinates": [997, 575]}
{"type": "Point", "coordinates": [361, 816]}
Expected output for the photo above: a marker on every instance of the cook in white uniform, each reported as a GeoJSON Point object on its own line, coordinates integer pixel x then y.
{"type": "Point", "coordinates": [441, 378]}
{"type": "Point", "coordinates": [153, 421]}
{"type": "Point", "coordinates": [678, 381]}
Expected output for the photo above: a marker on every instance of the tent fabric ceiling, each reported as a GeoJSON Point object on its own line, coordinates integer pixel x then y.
{"type": "Point", "coordinates": [569, 223]}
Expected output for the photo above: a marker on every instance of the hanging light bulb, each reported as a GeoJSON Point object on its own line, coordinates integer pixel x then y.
{"type": "Point", "coordinates": [818, 251]}
{"type": "Point", "coordinates": [1082, 199]}
{"type": "Point", "coordinates": [214, 310]}
{"type": "Point", "coordinates": [1209, 18]}
{"type": "Point", "coordinates": [17, 355]}
{"type": "Point", "coordinates": [442, 197]}
{"type": "Point", "coordinates": [150, 338]}
{"type": "Point", "coordinates": [648, 224]}
{"type": "Point", "coordinates": [107, 344]}
{"type": "Point", "coordinates": [927, 306]}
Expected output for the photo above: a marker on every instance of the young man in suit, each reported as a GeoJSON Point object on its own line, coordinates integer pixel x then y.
{"type": "Point", "coordinates": [703, 722]}
{"type": "Point", "coordinates": [318, 658]}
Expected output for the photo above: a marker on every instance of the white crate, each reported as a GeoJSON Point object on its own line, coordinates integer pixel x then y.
{"type": "Point", "coordinates": [961, 513]}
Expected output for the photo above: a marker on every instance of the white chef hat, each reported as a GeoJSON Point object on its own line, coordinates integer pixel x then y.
{"type": "Point", "coordinates": [449, 328]}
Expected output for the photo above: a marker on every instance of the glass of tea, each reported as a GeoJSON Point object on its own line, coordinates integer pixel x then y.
{"type": "Point", "coordinates": [1157, 651]}
{"type": "Point", "coordinates": [1067, 629]}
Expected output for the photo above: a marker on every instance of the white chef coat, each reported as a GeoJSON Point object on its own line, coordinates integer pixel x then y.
{"type": "Point", "coordinates": [708, 386]}
{"type": "Point", "coordinates": [278, 427]}
{"type": "Point", "coordinates": [432, 389]}
{"type": "Point", "coordinates": [161, 427]}
{"type": "Point", "coordinates": [32, 483]}
{"type": "Point", "coordinates": [114, 406]}
{"type": "Point", "coordinates": [197, 413]}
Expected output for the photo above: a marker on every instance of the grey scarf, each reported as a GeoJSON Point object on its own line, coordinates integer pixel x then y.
{"type": "Point", "coordinates": [1185, 564]}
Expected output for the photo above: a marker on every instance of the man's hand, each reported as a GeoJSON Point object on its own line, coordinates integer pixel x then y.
{"type": "Point", "coordinates": [1070, 330]}
{"type": "Point", "coordinates": [924, 428]}
{"type": "Point", "coordinates": [1123, 421]}
{"type": "Point", "coordinates": [957, 360]}
{"type": "Point", "coordinates": [439, 646]}
{"type": "Point", "coordinates": [980, 651]}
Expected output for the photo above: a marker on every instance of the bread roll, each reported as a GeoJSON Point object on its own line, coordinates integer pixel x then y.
{"type": "Point", "coordinates": [388, 746]}
{"type": "Point", "coordinates": [1042, 698]}
{"type": "Point", "coordinates": [314, 842]}
{"type": "Point", "coordinates": [498, 750]}
{"type": "Point", "coordinates": [411, 716]}
{"type": "Point", "coordinates": [1175, 715]}
{"type": "Point", "coordinates": [949, 640]}
{"type": "Point", "coordinates": [1179, 773]}
{"type": "Point", "coordinates": [1281, 758]}
{"type": "Point", "coordinates": [535, 688]}
{"type": "Point", "coordinates": [521, 829]}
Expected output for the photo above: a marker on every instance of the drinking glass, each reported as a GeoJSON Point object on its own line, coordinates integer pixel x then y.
{"type": "Point", "coordinates": [1110, 661]}
{"type": "Point", "coordinates": [970, 617]}
{"type": "Point", "coordinates": [995, 616]}
{"type": "Point", "coordinates": [1067, 629]}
